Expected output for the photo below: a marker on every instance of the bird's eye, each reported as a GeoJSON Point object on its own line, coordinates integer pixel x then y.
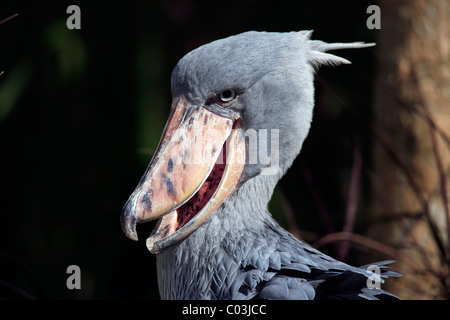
{"type": "Point", "coordinates": [227, 95]}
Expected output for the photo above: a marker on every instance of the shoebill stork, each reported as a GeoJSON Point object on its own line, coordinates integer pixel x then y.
{"type": "Point", "coordinates": [209, 187]}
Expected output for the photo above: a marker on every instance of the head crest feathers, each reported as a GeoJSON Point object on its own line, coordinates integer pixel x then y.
{"type": "Point", "coordinates": [318, 57]}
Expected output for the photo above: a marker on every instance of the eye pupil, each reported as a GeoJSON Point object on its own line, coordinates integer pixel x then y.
{"type": "Point", "coordinates": [227, 95]}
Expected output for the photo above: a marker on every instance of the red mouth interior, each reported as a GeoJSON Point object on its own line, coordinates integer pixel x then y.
{"type": "Point", "coordinates": [188, 210]}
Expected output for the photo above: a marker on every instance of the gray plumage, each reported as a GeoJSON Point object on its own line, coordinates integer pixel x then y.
{"type": "Point", "coordinates": [240, 252]}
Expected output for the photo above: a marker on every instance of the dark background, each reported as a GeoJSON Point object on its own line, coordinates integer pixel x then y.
{"type": "Point", "coordinates": [81, 112]}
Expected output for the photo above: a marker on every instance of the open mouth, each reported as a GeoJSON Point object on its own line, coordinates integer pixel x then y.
{"type": "Point", "coordinates": [179, 190]}
{"type": "Point", "coordinates": [198, 201]}
{"type": "Point", "coordinates": [179, 223]}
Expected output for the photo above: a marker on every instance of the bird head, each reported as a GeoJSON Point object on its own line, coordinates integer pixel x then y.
{"type": "Point", "coordinates": [242, 107]}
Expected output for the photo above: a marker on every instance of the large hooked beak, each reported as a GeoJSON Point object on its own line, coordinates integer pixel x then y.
{"type": "Point", "coordinates": [197, 165]}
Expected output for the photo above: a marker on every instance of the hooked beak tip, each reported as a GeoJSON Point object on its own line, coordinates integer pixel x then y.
{"type": "Point", "coordinates": [128, 222]}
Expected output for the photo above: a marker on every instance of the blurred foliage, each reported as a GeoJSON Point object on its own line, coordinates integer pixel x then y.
{"type": "Point", "coordinates": [12, 87]}
{"type": "Point", "coordinates": [81, 112]}
{"type": "Point", "coordinates": [68, 48]}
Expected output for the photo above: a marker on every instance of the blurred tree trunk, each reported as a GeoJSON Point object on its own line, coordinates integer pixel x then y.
{"type": "Point", "coordinates": [409, 209]}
